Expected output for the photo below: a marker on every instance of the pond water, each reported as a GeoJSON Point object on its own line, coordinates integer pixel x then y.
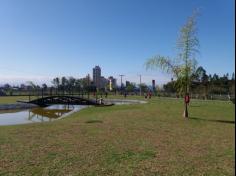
{"type": "Point", "coordinates": [39, 114]}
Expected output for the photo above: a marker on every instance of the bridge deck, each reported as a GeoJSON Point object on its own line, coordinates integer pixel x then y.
{"type": "Point", "coordinates": [45, 101]}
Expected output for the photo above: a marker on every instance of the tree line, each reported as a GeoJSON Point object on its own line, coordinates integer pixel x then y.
{"type": "Point", "coordinates": [201, 84]}
{"type": "Point", "coordinates": [59, 85]}
{"type": "Point", "coordinates": [70, 85]}
{"type": "Point", "coordinates": [204, 85]}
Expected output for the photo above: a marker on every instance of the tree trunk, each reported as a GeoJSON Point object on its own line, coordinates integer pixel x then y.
{"type": "Point", "coordinates": [186, 111]}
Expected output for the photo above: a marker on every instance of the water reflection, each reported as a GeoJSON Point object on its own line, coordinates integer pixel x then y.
{"type": "Point", "coordinates": [50, 113]}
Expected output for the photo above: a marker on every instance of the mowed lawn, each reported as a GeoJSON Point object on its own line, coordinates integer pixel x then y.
{"type": "Point", "coordinates": [145, 139]}
{"type": "Point", "coordinates": [14, 99]}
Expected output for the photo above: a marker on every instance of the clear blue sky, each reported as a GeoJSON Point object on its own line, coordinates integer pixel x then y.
{"type": "Point", "coordinates": [40, 39]}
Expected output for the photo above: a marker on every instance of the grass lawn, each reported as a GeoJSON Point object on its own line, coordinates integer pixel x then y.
{"type": "Point", "coordinates": [13, 99]}
{"type": "Point", "coordinates": [146, 139]}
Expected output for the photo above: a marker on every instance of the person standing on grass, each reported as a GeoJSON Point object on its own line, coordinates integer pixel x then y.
{"type": "Point", "coordinates": [150, 94]}
{"type": "Point", "coordinates": [101, 101]}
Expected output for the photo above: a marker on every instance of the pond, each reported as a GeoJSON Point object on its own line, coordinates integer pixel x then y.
{"type": "Point", "coordinates": [39, 114]}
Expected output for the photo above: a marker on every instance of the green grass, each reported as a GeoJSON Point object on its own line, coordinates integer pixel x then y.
{"type": "Point", "coordinates": [13, 99]}
{"type": "Point", "coordinates": [146, 139]}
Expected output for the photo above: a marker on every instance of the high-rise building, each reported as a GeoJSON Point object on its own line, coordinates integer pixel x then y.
{"type": "Point", "coordinates": [113, 82]}
{"type": "Point", "coordinates": [153, 84]}
{"type": "Point", "coordinates": [104, 82]}
{"type": "Point", "coordinates": [97, 76]}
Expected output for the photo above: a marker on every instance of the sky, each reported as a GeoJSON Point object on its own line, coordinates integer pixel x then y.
{"type": "Point", "coordinates": [42, 39]}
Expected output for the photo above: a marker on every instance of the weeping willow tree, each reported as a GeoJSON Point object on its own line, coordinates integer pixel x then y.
{"type": "Point", "coordinates": [181, 67]}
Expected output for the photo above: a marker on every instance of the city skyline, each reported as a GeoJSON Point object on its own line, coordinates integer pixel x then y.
{"type": "Point", "coordinates": [96, 78]}
{"type": "Point", "coordinates": [68, 39]}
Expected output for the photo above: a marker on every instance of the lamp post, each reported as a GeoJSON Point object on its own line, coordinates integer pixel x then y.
{"type": "Point", "coordinates": [121, 87]}
{"type": "Point", "coordinates": [88, 85]}
{"type": "Point", "coordinates": [140, 80]}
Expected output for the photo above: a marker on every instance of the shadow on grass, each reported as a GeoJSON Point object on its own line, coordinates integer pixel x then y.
{"type": "Point", "coordinates": [94, 121]}
{"type": "Point", "coordinates": [209, 120]}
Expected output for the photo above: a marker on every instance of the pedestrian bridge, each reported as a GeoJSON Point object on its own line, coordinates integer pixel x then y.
{"type": "Point", "coordinates": [62, 99]}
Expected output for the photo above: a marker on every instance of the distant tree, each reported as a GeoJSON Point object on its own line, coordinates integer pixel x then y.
{"type": "Point", "coordinates": [23, 86]}
{"type": "Point", "coordinates": [44, 87]}
{"type": "Point", "coordinates": [56, 82]}
{"type": "Point", "coordinates": [170, 87]}
{"type": "Point", "coordinates": [85, 82]}
{"type": "Point", "coordinates": [182, 67]}
{"type": "Point", "coordinates": [32, 85]}
{"type": "Point", "coordinates": [7, 87]}
{"type": "Point", "coordinates": [63, 83]}
{"type": "Point", "coordinates": [77, 85]}
{"type": "Point", "coordinates": [144, 87]}
{"type": "Point", "coordinates": [71, 81]}
{"type": "Point", "coordinates": [210, 77]}
{"type": "Point", "coordinates": [215, 78]}
{"type": "Point", "coordinates": [200, 74]}
{"type": "Point", "coordinates": [205, 85]}
{"type": "Point", "coordinates": [233, 77]}
{"type": "Point", "coordinates": [203, 79]}
{"type": "Point", "coordinates": [71, 84]}
{"type": "Point", "coordinates": [130, 87]}
{"type": "Point", "coordinates": [227, 76]}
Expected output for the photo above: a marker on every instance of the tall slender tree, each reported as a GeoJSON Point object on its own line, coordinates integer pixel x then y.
{"type": "Point", "coordinates": [56, 83]}
{"type": "Point", "coordinates": [63, 84]}
{"type": "Point", "coordinates": [184, 65]}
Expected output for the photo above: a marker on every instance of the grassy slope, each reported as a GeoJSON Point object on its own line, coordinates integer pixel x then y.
{"type": "Point", "coordinates": [148, 139]}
